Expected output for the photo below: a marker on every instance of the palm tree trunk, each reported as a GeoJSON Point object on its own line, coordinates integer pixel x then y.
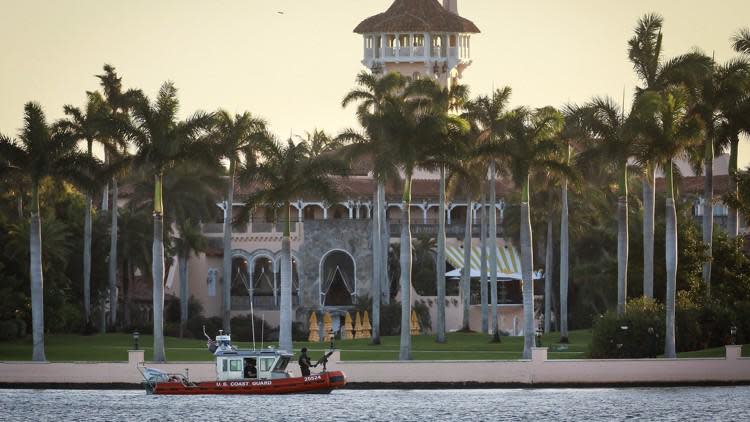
{"type": "Point", "coordinates": [548, 265]}
{"type": "Point", "coordinates": [128, 292]}
{"type": "Point", "coordinates": [671, 263]}
{"type": "Point", "coordinates": [733, 218]}
{"type": "Point", "coordinates": [36, 276]}
{"type": "Point", "coordinates": [648, 232]}
{"type": "Point", "coordinates": [226, 296]}
{"type": "Point", "coordinates": [285, 319]}
{"type": "Point", "coordinates": [466, 273]}
{"type": "Point", "coordinates": [184, 294]}
{"type": "Point", "coordinates": [492, 239]}
{"type": "Point", "coordinates": [405, 279]}
{"type": "Point", "coordinates": [105, 191]}
{"type": "Point", "coordinates": [377, 267]}
{"type": "Point", "coordinates": [87, 259]}
{"type": "Point", "coordinates": [157, 272]}
{"type": "Point", "coordinates": [708, 211]}
{"type": "Point", "coordinates": [385, 283]}
{"type": "Point", "coordinates": [564, 264]}
{"type": "Point", "coordinates": [113, 260]}
{"type": "Point", "coordinates": [622, 242]}
{"type": "Point", "coordinates": [440, 261]}
{"type": "Point", "coordinates": [483, 265]}
{"type": "Point", "coordinates": [527, 264]}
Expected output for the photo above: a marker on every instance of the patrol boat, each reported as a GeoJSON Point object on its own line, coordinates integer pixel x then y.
{"type": "Point", "coordinates": [244, 372]}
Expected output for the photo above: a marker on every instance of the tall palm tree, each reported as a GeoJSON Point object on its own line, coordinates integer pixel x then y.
{"type": "Point", "coordinates": [489, 115]}
{"type": "Point", "coordinates": [287, 172]}
{"type": "Point", "coordinates": [611, 142]}
{"type": "Point", "coordinates": [645, 52]}
{"type": "Point", "coordinates": [320, 143]}
{"type": "Point", "coordinates": [532, 146]}
{"type": "Point", "coordinates": [667, 128]}
{"type": "Point", "coordinates": [191, 241]}
{"type": "Point", "coordinates": [716, 97]}
{"type": "Point", "coordinates": [88, 126]}
{"type": "Point", "coordinates": [738, 120]}
{"type": "Point", "coordinates": [233, 135]}
{"type": "Point", "coordinates": [163, 142]}
{"type": "Point", "coordinates": [119, 103]}
{"type": "Point", "coordinates": [444, 155]}
{"type": "Point", "coordinates": [483, 270]}
{"type": "Point", "coordinates": [42, 152]}
{"type": "Point", "coordinates": [371, 95]}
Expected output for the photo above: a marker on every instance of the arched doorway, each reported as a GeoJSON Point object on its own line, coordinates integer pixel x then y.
{"type": "Point", "coordinates": [337, 279]}
{"type": "Point", "coordinates": [263, 277]}
{"type": "Point", "coordinates": [240, 276]}
{"type": "Point", "coordinates": [295, 279]}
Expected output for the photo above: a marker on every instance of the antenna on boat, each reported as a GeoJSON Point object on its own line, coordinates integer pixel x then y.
{"type": "Point", "coordinates": [252, 320]}
{"type": "Point", "coordinates": [262, 326]}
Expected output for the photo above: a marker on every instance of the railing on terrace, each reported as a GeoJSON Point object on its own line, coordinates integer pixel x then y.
{"type": "Point", "coordinates": [242, 303]}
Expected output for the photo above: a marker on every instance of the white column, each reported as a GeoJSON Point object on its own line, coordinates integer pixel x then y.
{"type": "Point", "coordinates": [349, 207]}
{"type": "Point", "coordinates": [424, 213]}
{"type": "Point", "coordinates": [448, 209]}
{"type": "Point", "coordinates": [325, 213]}
{"type": "Point", "coordinates": [356, 210]}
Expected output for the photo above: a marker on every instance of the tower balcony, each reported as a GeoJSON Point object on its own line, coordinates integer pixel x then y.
{"type": "Point", "coordinates": [414, 47]}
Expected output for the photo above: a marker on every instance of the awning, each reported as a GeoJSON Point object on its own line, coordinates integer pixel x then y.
{"type": "Point", "coordinates": [507, 258]}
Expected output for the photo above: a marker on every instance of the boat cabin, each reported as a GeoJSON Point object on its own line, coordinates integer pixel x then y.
{"type": "Point", "coordinates": [235, 364]}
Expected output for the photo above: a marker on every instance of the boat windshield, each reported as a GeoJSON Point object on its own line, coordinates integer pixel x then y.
{"type": "Point", "coordinates": [281, 363]}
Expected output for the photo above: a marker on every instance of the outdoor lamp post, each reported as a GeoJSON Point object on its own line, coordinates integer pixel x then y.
{"type": "Point", "coordinates": [136, 335]}
{"type": "Point", "coordinates": [733, 335]}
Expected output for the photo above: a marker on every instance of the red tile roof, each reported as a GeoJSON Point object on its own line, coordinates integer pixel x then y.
{"type": "Point", "coordinates": [416, 16]}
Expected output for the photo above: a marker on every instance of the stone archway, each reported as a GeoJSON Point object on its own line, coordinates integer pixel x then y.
{"type": "Point", "coordinates": [338, 280]}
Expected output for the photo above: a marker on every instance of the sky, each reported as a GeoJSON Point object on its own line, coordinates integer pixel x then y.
{"type": "Point", "coordinates": [293, 68]}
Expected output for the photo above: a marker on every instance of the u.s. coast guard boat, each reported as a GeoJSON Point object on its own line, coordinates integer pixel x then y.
{"type": "Point", "coordinates": [244, 372]}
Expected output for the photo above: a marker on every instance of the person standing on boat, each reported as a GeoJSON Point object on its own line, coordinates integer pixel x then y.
{"type": "Point", "coordinates": [304, 362]}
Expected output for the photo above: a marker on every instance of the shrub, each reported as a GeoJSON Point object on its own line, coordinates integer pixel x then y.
{"type": "Point", "coordinates": [689, 334]}
{"type": "Point", "coordinates": [242, 331]}
{"type": "Point", "coordinates": [8, 330]}
{"type": "Point", "coordinates": [628, 336]}
{"type": "Point", "coordinates": [300, 331]}
{"type": "Point", "coordinates": [21, 325]}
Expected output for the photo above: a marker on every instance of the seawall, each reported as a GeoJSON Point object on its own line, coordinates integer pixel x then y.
{"type": "Point", "coordinates": [539, 371]}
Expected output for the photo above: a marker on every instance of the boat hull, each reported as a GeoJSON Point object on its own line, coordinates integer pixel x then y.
{"type": "Point", "coordinates": [318, 383]}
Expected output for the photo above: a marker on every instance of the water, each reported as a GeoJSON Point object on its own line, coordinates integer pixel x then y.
{"type": "Point", "coordinates": [607, 404]}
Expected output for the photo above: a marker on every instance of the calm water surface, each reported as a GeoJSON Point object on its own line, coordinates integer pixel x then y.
{"type": "Point", "coordinates": [670, 404]}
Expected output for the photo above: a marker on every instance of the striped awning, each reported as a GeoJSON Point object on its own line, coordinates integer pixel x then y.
{"type": "Point", "coordinates": [507, 258]}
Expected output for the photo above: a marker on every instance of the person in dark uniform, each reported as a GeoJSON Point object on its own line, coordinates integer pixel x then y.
{"type": "Point", "coordinates": [304, 362]}
{"type": "Point", "coordinates": [250, 370]}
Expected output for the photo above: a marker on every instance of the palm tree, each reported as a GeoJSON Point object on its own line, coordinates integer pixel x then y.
{"type": "Point", "coordinates": [444, 154]}
{"type": "Point", "coordinates": [88, 126]}
{"type": "Point", "coordinates": [371, 96]}
{"type": "Point", "coordinates": [741, 41]}
{"type": "Point", "coordinates": [320, 143]}
{"type": "Point", "coordinates": [191, 241]}
{"type": "Point", "coordinates": [134, 247]}
{"type": "Point", "coordinates": [738, 120]}
{"type": "Point", "coordinates": [489, 115]}
{"type": "Point", "coordinates": [287, 172]}
{"type": "Point", "coordinates": [667, 128]}
{"type": "Point", "coordinates": [234, 135]}
{"type": "Point", "coordinates": [532, 146]}
{"type": "Point", "coordinates": [645, 52]}
{"type": "Point", "coordinates": [119, 103]}
{"type": "Point", "coordinates": [612, 143]}
{"type": "Point", "coordinates": [163, 142]}
{"type": "Point", "coordinates": [717, 96]}
{"type": "Point", "coordinates": [42, 152]}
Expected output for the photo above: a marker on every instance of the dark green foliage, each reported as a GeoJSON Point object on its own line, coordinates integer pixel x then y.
{"type": "Point", "coordinates": [390, 315]}
{"type": "Point", "coordinates": [242, 329]}
{"type": "Point", "coordinates": [629, 336]}
{"type": "Point", "coordinates": [9, 330]}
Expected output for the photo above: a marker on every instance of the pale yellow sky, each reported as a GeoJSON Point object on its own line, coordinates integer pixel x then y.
{"type": "Point", "coordinates": [293, 69]}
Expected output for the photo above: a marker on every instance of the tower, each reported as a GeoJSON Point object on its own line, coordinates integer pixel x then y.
{"type": "Point", "coordinates": [419, 39]}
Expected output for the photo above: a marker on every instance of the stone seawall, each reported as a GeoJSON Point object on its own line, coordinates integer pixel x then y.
{"type": "Point", "coordinates": [538, 371]}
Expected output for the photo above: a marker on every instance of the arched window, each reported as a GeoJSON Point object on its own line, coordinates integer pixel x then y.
{"type": "Point", "coordinates": [337, 279]}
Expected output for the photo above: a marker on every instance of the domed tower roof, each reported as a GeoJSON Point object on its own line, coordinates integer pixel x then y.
{"type": "Point", "coordinates": [416, 16]}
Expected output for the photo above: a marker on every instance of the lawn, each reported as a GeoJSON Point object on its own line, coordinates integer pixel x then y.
{"type": "Point", "coordinates": [460, 346]}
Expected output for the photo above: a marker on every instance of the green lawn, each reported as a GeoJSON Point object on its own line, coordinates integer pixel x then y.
{"type": "Point", "coordinates": [716, 352]}
{"type": "Point", "coordinates": [460, 346]}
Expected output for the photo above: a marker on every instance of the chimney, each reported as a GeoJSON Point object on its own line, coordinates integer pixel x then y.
{"type": "Point", "coordinates": [451, 6]}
